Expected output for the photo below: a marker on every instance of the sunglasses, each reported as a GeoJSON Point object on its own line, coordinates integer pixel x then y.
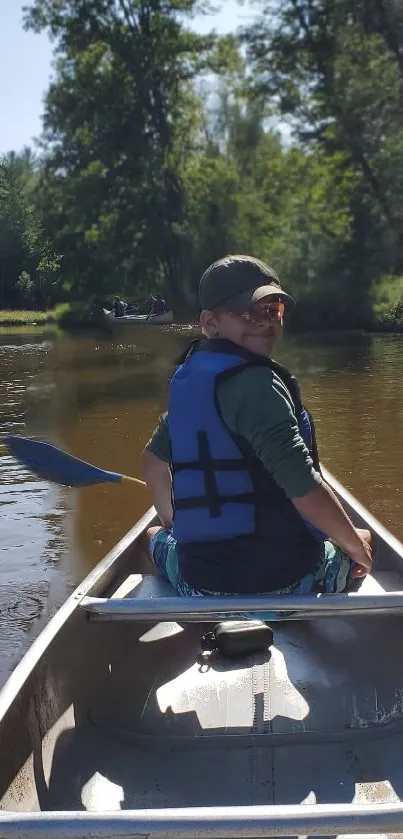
{"type": "Point", "coordinates": [265, 311]}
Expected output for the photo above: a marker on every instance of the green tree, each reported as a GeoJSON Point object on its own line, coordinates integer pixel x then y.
{"type": "Point", "coordinates": [143, 179]}
{"type": "Point", "coordinates": [28, 265]}
{"type": "Point", "coordinates": [246, 192]}
{"type": "Point", "coordinates": [24, 167]}
{"type": "Point", "coordinates": [117, 124]}
{"type": "Point", "coordinates": [334, 68]}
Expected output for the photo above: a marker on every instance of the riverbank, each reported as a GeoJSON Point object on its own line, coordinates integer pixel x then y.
{"type": "Point", "coordinates": [20, 317]}
{"type": "Point", "coordinates": [65, 315]}
{"type": "Point", "coordinates": [71, 316]}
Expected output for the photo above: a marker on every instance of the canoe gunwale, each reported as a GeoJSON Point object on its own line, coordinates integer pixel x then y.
{"type": "Point", "coordinates": [248, 822]}
{"type": "Point", "coordinates": [38, 648]}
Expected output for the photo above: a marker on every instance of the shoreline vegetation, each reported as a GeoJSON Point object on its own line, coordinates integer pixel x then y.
{"type": "Point", "coordinates": [64, 315]}
{"type": "Point", "coordinates": [72, 317]}
{"type": "Point", "coordinates": [20, 317]}
{"type": "Point", "coordinates": [57, 316]}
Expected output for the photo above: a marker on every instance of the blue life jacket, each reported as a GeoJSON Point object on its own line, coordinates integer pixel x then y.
{"type": "Point", "coordinates": [227, 506]}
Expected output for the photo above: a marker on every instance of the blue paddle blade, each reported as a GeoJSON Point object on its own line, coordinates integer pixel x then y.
{"type": "Point", "coordinates": [53, 464]}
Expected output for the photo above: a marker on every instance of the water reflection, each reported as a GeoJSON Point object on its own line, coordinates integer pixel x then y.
{"type": "Point", "coordinates": [100, 400]}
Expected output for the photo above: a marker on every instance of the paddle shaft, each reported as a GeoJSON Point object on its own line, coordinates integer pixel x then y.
{"type": "Point", "coordinates": [135, 480]}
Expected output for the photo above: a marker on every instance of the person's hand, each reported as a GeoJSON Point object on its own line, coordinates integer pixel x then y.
{"type": "Point", "coordinates": [362, 557]}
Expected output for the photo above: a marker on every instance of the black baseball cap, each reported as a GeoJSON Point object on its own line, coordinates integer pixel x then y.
{"type": "Point", "coordinates": [237, 281]}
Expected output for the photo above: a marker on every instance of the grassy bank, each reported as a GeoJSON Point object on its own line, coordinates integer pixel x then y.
{"type": "Point", "coordinates": [65, 315]}
{"type": "Point", "coordinates": [20, 317]}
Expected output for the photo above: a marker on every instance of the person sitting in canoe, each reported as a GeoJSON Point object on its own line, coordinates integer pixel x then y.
{"type": "Point", "coordinates": [158, 306]}
{"type": "Point", "coordinates": [236, 452]}
{"type": "Point", "coordinates": [119, 307]}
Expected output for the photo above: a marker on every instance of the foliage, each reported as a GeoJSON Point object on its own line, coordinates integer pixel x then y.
{"type": "Point", "coordinates": [28, 264]}
{"type": "Point", "coordinates": [392, 321]}
{"type": "Point", "coordinates": [117, 123]}
{"type": "Point", "coordinates": [76, 315]}
{"type": "Point", "coordinates": [335, 69]}
{"type": "Point", "coordinates": [162, 150]}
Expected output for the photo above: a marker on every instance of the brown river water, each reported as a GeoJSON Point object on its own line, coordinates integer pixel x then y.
{"type": "Point", "coordinates": [100, 399]}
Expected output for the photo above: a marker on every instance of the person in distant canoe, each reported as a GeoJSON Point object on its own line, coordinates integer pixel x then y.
{"type": "Point", "coordinates": [119, 307]}
{"type": "Point", "coordinates": [158, 306]}
{"type": "Point", "coordinates": [233, 466]}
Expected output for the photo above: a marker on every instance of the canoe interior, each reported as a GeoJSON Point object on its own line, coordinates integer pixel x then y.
{"type": "Point", "coordinates": [120, 715]}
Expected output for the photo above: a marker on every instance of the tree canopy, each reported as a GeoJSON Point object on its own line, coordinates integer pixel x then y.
{"type": "Point", "coordinates": [162, 150]}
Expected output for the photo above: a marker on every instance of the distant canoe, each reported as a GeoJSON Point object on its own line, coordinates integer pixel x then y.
{"type": "Point", "coordinates": [124, 322]}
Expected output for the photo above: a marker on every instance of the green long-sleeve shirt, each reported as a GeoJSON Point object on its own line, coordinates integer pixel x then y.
{"type": "Point", "coordinates": [256, 404]}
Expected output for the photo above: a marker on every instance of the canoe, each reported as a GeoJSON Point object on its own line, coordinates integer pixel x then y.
{"type": "Point", "coordinates": [126, 321]}
{"type": "Point", "coordinates": [112, 725]}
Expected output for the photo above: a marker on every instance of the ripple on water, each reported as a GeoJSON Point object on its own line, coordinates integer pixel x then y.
{"type": "Point", "coordinates": [21, 607]}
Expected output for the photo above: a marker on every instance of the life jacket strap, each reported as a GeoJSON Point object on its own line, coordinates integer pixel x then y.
{"type": "Point", "coordinates": [201, 501]}
{"type": "Point", "coordinates": [208, 466]}
{"type": "Point", "coordinates": [235, 465]}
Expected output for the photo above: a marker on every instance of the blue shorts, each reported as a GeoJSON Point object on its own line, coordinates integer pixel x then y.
{"type": "Point", "coordinates": [332, 574]}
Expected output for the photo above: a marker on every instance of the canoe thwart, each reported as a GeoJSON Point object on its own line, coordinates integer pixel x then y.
{"type": "Point", "coordinates": [155, 599]}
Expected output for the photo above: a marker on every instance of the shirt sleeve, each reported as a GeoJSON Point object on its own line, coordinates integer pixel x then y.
{"type": "Point", "coordinates": [158, 443]}
{"type": "Point", "coordinates": [256, 404]}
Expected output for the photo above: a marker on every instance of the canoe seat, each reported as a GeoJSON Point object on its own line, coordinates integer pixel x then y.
{"type": "Point", "coordinates": [147, 587]}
